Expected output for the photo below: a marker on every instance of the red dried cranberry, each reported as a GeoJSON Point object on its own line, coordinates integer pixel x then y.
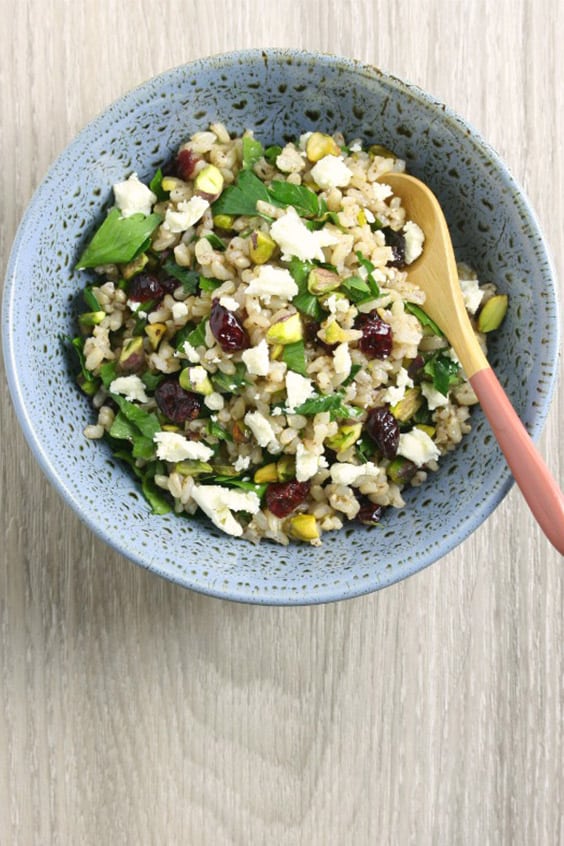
{"type": "Point", "coordinates": [396, 240]}
{"type": "Point", "coordinates": [227, 329]}
{"type": "Point", "coordinates": [415, 366]}
{"type": "Point", "coordinates": [283, 497]}
{"type": "Point", "coordinates": [145, 287]}
{"type": "Point", "coordinates": [383, 428]}
{"type": "Point", "coordinates": [185, 164]}
{"type": "Point", "coordinates": [369, 513]}
{"type": "Point", "coordinates": [169, 284]}
{"type": "Point", "coordinates": [176, 403]}
{"type": "Point", "coordinates": [376, 341]}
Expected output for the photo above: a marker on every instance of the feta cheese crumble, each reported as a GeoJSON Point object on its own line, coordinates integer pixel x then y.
{"type": "Point", "coordinates": [395, 393]}
{"type": "Point", "coordinates": [295, 239]}
{"type": "Point", "coordinates": [256, 359]}
{"type": "Point", "coordinates": [130, 387]}
{"type": "Point", "coordinates": [343, 473]}
{"type": "Point", "coordinates": [133, 197]}
{"type": "Point", "coordinates": [414, 239]}
{"type": "Point", "coordinates": [171, 446]}
{"type": "Point", "coordinates": [298, 390]}
{"type": "Point", "coordinates": [272, 282]}
{"type": "Point", "coordinates": [191, 353]}
{"type": "Point", "coordinates": [261, 429]}
{"type": "Point", "coordinates": [331, 172]}
{"type": "Point", "coordinates": [218, 503]}
{"type": "Point", "coordinates": [308, 462]}
{"type": "Point", "coordinates": [342, 361]}
{"type": "Point", "coordinates": [471, 294]}
{"type": "Point", "coordinates": [418, 447]}
{"type": "Point", "coordinates": [229, 303]}
{"type": "Point", "coordinates": [187, 214]}
{"type": "Point", "coordinates": [434, 397]}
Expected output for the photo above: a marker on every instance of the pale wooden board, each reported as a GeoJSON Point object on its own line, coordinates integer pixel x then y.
{"type": "Point", "coordinates": [133, 712]}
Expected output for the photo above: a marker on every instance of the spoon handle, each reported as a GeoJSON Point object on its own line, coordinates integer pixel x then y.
{"type": "Point", "coordinates": [539, 488]}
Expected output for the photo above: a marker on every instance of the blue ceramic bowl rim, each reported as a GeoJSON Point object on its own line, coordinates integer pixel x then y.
{"type": "Point", "coordinates": [252, 56]}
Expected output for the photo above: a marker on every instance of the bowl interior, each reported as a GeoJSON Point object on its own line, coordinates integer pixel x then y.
{"type": "Point", "coordinates": [279, 94]}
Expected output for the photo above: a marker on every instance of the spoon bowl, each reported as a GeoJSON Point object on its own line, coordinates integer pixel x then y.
{"type": "Point", "coordinates": [436, 274]}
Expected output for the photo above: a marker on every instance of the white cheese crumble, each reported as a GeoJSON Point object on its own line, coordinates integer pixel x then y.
{"type": "Point", "coordinates": [308, 462]}
{"type": "Point", "coordinates": [418, 447]}
{"type": "Point", "coordinates": [214, 401]}
{"type": "Point", "coordinates": [337, 304]}
{"type": "Point", "coordinates": [242, 463]}
{"type": "Point", "coordinates": [434, 398]}
{"type": "Point", "coordinates": [256, 359]}
{"type": "Point", "coordinates": [471, 294]}
{"type": "Point", "coordinates": [272, 282]}
{"type": "Point", "coordinates": [191, 353]}
{"type": "Point", "coordinates": [298, 390]}
{"type": "Point", "coordinates": [295, 239]}
{"type": "Point", "coordinates": [130, 387]}
{"type": "Point", "coordinates": [198, 375]}
{"type": "Point", "coordinates": [230, 303]}
{"type": "Point", "coordinates": [396, 392]}
{"type": "Point", "coordinates": [171, 446]}
{"type": "Point", "coordinates": [343, 473]}
{"type": "Point", "coordinates": [133, 197]}
{"type": "Point", "coordinates": [179, 310]}
{"type": "Point", "coordinates": [370, 218]}
{"type": "Point", "coordinates": [261, 429]}
{"type": "Point", "coordinates": [331, 172]}
{"type": "Point", "coordinates": [381, 191]}
{"type": "Point", "coordinates": [342, 361]}
{"type": "Point", "coordinates": [218, 503]}
{"type": "Point", "coordinates": [187, 214]}
{"type": "Point", "coordinates": [414, 239]}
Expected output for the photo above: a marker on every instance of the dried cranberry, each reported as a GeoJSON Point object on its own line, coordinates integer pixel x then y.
{"type": "Point", "coordinates": [369, 512]}
{"type": "Point", "coordinates": [383, 428]}
{"type": "Point", "coordinates": [227, 329]}
{"type": "Point", "coordinates": [169, 284]}
{"type": "Point", "coordinates": [311, 329]}
{"type": "Point", "coordinates": [283, 497]}
{"type": "Point", "coordinates": [376, 341]}
{"type": "Point", "coordinates": [176, 403]}
{"type": "Point", "coordinates": [185, 164]}
{"type": "Point", "coordinates": [145, 287]}
{"type": "Point", "coordinates": [396, 240]}
{"type": "Point", "coordinates": [415, 366]}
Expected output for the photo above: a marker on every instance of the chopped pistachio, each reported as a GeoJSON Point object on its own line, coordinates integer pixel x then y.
{"type": "Point", "coordinates": [408, 405]}
{"type": "Point", "coordinates": [169, 183]}
{"type": "Point", "coordinates": [262, 247]}
{"type": "Point", "coordinates": [332, 333]}
{"type": "Point", "coordinates": [268, 473]}
{"type": "Point", "coordinates": [400, 470]}
{"type": "Point", "coordinates": [286, 468]}
{"type": "Point", "coordinates": [361, 217]}
{"type": "Point", "coordinates": [321, 280]}
{"type": "Point", "coordinates": [128, 271]}
{"type": "Point", "coordinates": [155, 333]}
{"type": "Point", "coordinates": [225, 470]}
{"type": "Point", "coordinates": [276, 351]}
{"type": "Point", "coordinates": [198, 386]}
{"type": "Point", "coordinates": [319, 145]}
{"type": "Point", "coordinates": [91, 318]}
{"type": "Point", "coordinates": [288, 330]}
{"type": "Point", "coordinates": [383, 152]}
{"type": "Point", "coordinates": [493, 312]}
{"type": "Point", "coordinates": [192, 468]}
{"type": "Point", "coordinates": [132, 356]}
{"type": "Point", "coordinates": [209, 183]}
{"type": "Point", "coordinates": [346, 436]}
{"type": "Point", "coordinates": [304, 527]}
{"type": "Point", "coordinates": [429, 430]}
{"type": "Point", "coordinates": [223, 221]}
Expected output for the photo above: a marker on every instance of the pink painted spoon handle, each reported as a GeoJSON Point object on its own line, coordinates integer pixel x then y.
{"type": "Point", "coordinates": [543, 496]}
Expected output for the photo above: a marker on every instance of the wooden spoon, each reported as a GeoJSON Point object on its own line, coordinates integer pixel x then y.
{"type": "Point", "coordinates": [435, 272]}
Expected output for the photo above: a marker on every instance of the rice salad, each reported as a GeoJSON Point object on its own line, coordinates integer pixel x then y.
{"type": "Point", "coordinates": [252, 344]}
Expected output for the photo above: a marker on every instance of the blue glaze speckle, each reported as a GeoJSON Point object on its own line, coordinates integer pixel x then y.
{"type": "Point", "coordinates": [280, 94]}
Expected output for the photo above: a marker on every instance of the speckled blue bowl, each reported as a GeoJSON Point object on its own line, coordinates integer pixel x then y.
{"type": "Point", "coordinates": [280, 94]}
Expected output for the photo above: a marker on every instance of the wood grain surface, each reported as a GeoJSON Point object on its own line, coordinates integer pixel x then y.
{"type": "Point", "coordinates": [134, 712]}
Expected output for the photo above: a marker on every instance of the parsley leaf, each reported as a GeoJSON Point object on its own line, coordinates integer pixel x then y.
{"type": "Point", "coordinates": [196, 336]}
{"type": "Point", "coordinates": [333, 403]}
{"type": "Point", "coordinates": [271, 153]}
{"type": "Point", "coordinates": [252, 151]}
{"type": "Point", "coordinates": [188, 278]}
{"type": "Point", "coordinates": [372, 284]}
{"type": "Point", "coordinates": [304, 301]}
{"type": "Point", "coordinates": [423, 318]}
{"type": "Point", "coordinates": [215, 241]}
{"type": "Point", "coordinates": [444, 372]}
{"type": "Point", "coordinates": [350, 378]}
{"type": "Point", "coordinates": [156, 186]}
{"type": "Point", "coordinates": [242, 197]}
{"type": "Point", "coordinates": [294, 357]}
{"type": "Point", "coordinates": [88, 382]}
{"type": "Point", "coordinates": [356, 289]}
{"type": "Point", "coordinates": [229, 383]}
{"type": "Point", "coordinates": [118, 239]}
{"type": "Point", "coordinates": [305, 201]}
{"type": "Point", "coordinates": [209, 284]}
{"type": "Point", "coordinates": [90, 299]}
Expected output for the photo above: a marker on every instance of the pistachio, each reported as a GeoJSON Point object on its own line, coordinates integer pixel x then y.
{"type": "Point", "coordinates": [429, 430]}
{"type": "Point", "coordinates": [91, 318]}
{"type": "Point", "coordinates": [155, 333]}
{"type": "Point", "coordinates": [346, 436]}
{"type": "Point", "coordinates": [128, 271]}
{"type": "Point", "coordinates": [225, 470]}
{"type": "Point", "coordinates": [401, 470]}
{"type": "Point", "coordinates": [286, 468]}
{"type": "Point", "coordinates": [304, 527]}
{"type": "Point", "coordinates": [319, 145]}
{"type": "Point", "coordinates": [239, 433]}
{"type": "Point", "coordinates": [223, 221]}
{"type": "Point", "coordinates": [209, 183]}
{"type": "Point", "coordinates": [287, 330]}
{"type": "Point", "coordinates": [262, 247]}
{"type": "Point", "coordinates": [493, 312]}
{"type": "Point", "coordinates": [332, 333]}
{"type": "Point", "coordinates": [132, 356]}
{"type": "Point", "coordinates": [383, 152]}
{"type": "Point", "coordinates": [192, 468]}
{"type": "Point", "coordinates": [268, 473]}
{"type": "Point", "coordinates": [276, 351]}
{"type": "Point", "coordinates": [321, 280]}
{"type": "Point", "coordinates": [408, 405]}
{"type": "Point", "coordinates": [169, 183]}
{"type": "Point", "coordinates": [195, 379]}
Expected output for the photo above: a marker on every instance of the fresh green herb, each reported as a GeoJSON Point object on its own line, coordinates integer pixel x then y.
{"type": "Point", "coordinates": [304, 301]}
{"type": "Point", "coordinates": [364, 448]}
{"type": "Point", "coordinates": [123, 429]}
{"type": "Point", "coordinates": [188, 278]}
{"type": "Point", "coordinates": [367, 264]}
{"type": "Point", "coordinates": [209, 284]}
{"type": "Point", "coordinates": [271, 153]}
{"type": "Point", "coordinates": [242, 197]}
{"type": "Point", "coordinates": [294, 357]}
{"type": "Point", "coordinates": [423, 318]}
{"type": "Point", "coordinates": [356, 289]}
{"type": "Point", "coordinates": [152, 380]}
{"type": "Point", "coordinates": [90, 299]}
{"type": "Point", "coordinates": [119, 239]}
{"type": "Point", "coordinates": [155, 497]}
{"type": "Point", "coordinates": [196, 337]}
{"type": "Point", "coordinates": [252, 151]}
{"type": "Point", "coordinates": [229, 383]}
{"type": "Point", "coordinates": [156, 186]}
{"type": "Point", "coordinates": [108, 372]}
{"type": "Point", "coordinates": [217, 431]}
{"type": "Point", "coordinates": [443, 371]}
{"type": "Point", "coordinates": [215, 241]}
{"type": "Point", "coordinates": [230, 482]}
{"type": "Point", "coordinates": [88, 382]}
{"type": "Point", "coordinates": [145, 422]}
{"type": "Point", "coordinates": [350, 378]}
{"type": "Point", "coordinates": [306, 202]}
{"type": "Point", "coordinates": [333, 403]}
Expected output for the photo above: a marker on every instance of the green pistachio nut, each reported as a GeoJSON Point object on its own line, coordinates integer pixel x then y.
{"type": "Point", "coordinates": [408, 406]}
{"type": "Point", "coordinates": [288, 330]}
{"type": "Point", "coordinates": [322, 280]}
{"type": "Point", "coordinates": [262, 247]}
{"type": "Point", "coordinates": [191, 379]}
{"type": "Point", "coordinates": [493, 312]}
{"type": "Point", "coordinates": [132, 355]}
{"type": "Point", "coordinates": [319, 145]}
{"type": "Point", "coordinates": [346, 436]}
{"type": "Point", "coordinates": [209, 183]}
